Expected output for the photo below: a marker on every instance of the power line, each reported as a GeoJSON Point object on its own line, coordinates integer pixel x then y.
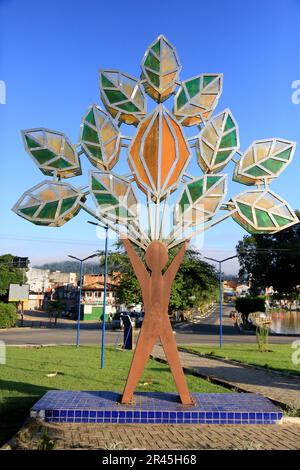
{"type": "Point", "coordinates": [48, 240]}
{"type": "Point", "coordinates": [262, 250]}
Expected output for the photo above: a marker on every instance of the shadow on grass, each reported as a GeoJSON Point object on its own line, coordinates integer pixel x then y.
{"type": "Point", "coordinates": [14, 410]}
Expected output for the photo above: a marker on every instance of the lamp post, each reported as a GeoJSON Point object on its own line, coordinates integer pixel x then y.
{"type": "Point", "coordinates": [105, 289]}
{"type": "Point", "coordinates": [81, 261]}
{"type": "Point", "coordinates": [221, 293]}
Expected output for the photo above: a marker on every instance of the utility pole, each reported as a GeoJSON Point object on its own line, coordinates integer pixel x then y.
{"type": "Point", "coordinates": [105, 290]}
{"type": "Point", "coordinates": [81, 261]}
{"type": "Point", "coordinates": [220, 262]}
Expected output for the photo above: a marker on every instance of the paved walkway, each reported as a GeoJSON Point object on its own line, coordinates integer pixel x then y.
{"type": "Point", "coordinates": [278, 387]}
{"type": "Point", "coordinates": [154, 437]}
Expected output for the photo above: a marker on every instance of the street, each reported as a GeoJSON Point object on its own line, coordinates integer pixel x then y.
{"type": "Point", "coordinates": [204, 332]}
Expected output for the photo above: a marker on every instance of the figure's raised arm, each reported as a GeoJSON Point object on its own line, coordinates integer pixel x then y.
{"type": "Point", "coordinates": [137, 264]}
{"type": "Point", "coordinates": [174, 266]}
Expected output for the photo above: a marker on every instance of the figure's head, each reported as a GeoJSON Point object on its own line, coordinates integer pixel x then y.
{"type": "Point", "coordinates": [156, 256]}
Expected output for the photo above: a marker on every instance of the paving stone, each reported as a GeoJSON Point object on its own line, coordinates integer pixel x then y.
{"type": "Point", "coordinates": [171, 437]}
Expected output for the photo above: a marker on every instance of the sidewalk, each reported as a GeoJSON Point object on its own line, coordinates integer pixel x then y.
{"type": "Point", "coordinates": [277, 387]}
{"type": "Point", "coordinates": [155, 436]}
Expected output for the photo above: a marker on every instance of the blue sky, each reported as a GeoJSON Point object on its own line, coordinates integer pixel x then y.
{"type": "Point", "coordinates": [51, 52]}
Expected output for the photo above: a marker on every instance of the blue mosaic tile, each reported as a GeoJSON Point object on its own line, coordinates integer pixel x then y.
{"type": "Point", "coordinates": [156, 407]}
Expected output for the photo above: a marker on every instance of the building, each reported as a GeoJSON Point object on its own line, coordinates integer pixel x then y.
{"type": "Point", "coordinates": [68, 297]}
{"type": "Point", "coordinates": [232, 289]}
{"type": "Point", "coordinates": [58, 278]}
{"type": "Point", "coordinates": [230, 284]}
{"type": "Point", "coordinates": [229, 287]}
{"type": "Point", "coordinates": [45, 285]}
{"type": "Point", "coordinates": [42, 280]}
{"type": "Point", "coordinates": [242, 290]}
{"type": "Point", "coordinates": [38, 280]}
{"type": "Point", "coordinates": [93, 295]}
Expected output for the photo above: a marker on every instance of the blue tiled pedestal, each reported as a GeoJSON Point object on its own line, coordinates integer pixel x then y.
{"type": "Point", "coordinates": [154, 407]}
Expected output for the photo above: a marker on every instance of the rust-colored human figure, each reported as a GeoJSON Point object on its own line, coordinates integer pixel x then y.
{"type": "Point", "coordinates": [156, 289]}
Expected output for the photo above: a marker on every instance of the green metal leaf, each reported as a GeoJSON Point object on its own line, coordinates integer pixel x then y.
{"type": "Point", "coordinates": [263, 160]}
{"type": "Point", "coordinates": [217, 142]}
{"type": "Point", "coordinates": [52, 152]}
{"type": "Point", "coordinates": [263, 211]}
{"type": "Point", "coordinates": [114, 196]}
{"type": "Point", "coordinates": [196, 99]}
{"type": "Point", "coordinates": [123, 96]}
{"type": "Point", "coordinates": [160, 69]}
{"type": "Point", "coordinates": [200, 199]}
{"type": "Point", "coordinates": [100, 138]}
{"type": "Point", "coordinates": [50, 203]}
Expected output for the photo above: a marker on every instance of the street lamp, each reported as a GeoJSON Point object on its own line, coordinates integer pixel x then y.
{"type": "Point", "coordinates": [105, 289]}
{"type": "Point", "coordinates": [81, 261]}
{"type": "Point", "coordinates": [221, 292]}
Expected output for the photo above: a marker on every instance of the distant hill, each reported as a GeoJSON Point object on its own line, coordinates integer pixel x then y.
{"type": "Point", "coordinates": [92, 268]}
{"type": "Point", "coordinates": [71, 267]}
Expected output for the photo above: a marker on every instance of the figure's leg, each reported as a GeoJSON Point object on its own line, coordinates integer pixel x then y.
{"type": "Point", "coordinates": [170, 348]}
{"type": "Point", "coordinates": [147, 339]}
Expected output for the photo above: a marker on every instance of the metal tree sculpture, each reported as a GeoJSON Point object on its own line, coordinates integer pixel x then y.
{"type": "Point", "coordinates": [158, 156]}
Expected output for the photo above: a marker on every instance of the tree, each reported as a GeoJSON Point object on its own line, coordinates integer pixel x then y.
{"type": "Point", "coordinates": [195, 284]}
{"type": "Point", "coordinates": [8, 274]}
{"type": "Point", "coordinates": [247, 305]}
{"type": "Point", "coordinates": [8, 315]}
{"type": "Point", "coordinates": [272, 260]}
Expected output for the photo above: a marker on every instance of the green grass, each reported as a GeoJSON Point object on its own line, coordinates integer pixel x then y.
{"type": "Point", "coordinates": [23, 380]}
{"type": "Point", "coordinates": [278, 357]}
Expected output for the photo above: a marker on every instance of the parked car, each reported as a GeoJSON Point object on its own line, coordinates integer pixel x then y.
{"type": "Point", "coordinates": [136, 318]}
{"type": "Point", "coordinates": [139, 319]}
{"type": "Point", "coordinates": [116, 322]}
